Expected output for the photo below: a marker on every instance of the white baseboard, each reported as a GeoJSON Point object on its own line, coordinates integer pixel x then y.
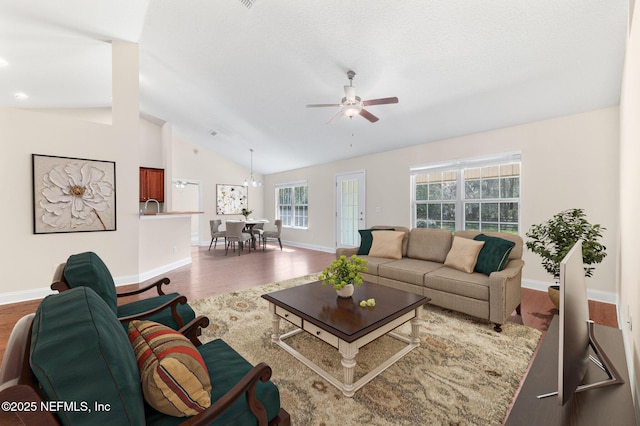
{"type": "Point", "coordinates": [133, 279]}
{"type": "Point", "coordinates": [597, 295]}
{"type": "Point", "coordinates": [290, 243]}
{"type": "Point", "coordinates": [24, 295]}
{"type": "Point", "coordinates": [42, 292]}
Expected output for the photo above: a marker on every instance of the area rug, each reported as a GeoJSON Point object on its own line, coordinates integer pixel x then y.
{"type": "Point", "coordinates": [464, 373]}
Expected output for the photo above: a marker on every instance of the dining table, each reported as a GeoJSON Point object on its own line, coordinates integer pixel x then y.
{"type": "Point", "coordinates": [248, 226]}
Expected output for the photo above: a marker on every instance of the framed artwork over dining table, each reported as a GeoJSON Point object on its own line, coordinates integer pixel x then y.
{"type": "Point", "coordinates": [231, 199]}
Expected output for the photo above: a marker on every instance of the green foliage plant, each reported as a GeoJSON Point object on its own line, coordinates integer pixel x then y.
{"type": "Point", "coordinates": [553, 239]}
{"type": "Point", "coordinates": [246, 212]}
{"type": "Point", "coordinates": [343, 271]}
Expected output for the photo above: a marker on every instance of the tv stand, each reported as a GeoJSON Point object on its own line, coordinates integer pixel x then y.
{"type": "Point", "coordinates": [598, 406]}
{"type": "Point", "coordinates": [602, 361]}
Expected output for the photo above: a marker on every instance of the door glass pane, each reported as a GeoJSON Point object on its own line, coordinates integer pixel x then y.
{"type": "Point", "coordinates": [349, 213]}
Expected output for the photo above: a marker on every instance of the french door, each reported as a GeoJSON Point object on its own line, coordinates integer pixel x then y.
{"type": "Point", "coordinates": [350, 208]}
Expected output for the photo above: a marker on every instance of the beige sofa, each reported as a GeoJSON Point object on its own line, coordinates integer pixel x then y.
{"type": "Point", "coordinates": [421, 270]}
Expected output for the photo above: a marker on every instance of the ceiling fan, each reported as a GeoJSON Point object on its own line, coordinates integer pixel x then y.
{"type": "Point", "coordinates": [352, 105]}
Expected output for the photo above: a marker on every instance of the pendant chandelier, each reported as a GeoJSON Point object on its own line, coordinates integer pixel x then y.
{"type": "Point", "coordinates": [253, 181]}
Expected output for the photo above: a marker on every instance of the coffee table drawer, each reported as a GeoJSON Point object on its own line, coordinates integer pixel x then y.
{"type": "Point", "coordinates": [321, 334]}
{"type": "Point", "coordinates": [294, 319]}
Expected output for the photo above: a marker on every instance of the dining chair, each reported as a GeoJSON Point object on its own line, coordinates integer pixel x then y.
{"type": "Point", "coordinates": [274, 235]}
{"type": "Point", "coordinates": [216, 233]}
{"type": "Point", "coordinates": [235, 234]}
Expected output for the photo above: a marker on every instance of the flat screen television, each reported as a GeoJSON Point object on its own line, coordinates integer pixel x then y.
{"type": "Point", "coordinates": [576, 333]}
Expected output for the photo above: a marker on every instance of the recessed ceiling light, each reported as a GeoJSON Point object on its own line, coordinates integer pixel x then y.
{"type": "Point", "coordinates": [20, 96]}
{"type": "Point", "coordinates": [213, 132]}
{"type": "Point", "coordinates": [3, 63]}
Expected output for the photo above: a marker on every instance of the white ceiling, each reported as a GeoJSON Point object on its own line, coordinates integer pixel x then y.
{"type": "Point", "coordinates": [457, 67]}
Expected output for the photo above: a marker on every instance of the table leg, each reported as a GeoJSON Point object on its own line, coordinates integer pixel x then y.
{"type": "Point", "coordinates": [349, 352]}
{"type": "Point", "coordinates": [275, 324]}
{"type": "Point", "coordinates": [415, 327]}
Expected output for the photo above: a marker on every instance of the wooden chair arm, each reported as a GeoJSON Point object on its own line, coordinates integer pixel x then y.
{"type": "Point", "coordinates": [247, 386]}
{"type": "Point", "coordinates": [59, 286]}
{"type": "Point", "coordinates": [192, 329]}
{"type": "Point", "coordinates": [158, 285]}
{"type": "Point", "coordinates": [172, 304]}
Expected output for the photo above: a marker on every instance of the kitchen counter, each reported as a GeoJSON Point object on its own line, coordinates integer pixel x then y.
{"type": "Point", "coordinates": [149, 215]}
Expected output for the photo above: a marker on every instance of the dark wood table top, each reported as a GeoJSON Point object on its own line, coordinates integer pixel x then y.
{"type": "Point", "coordinates": [344, 317]}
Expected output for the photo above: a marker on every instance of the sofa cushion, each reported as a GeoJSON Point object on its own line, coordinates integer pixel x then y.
{"type": "Point", "coordinates": [516, 253]}
{"type": "Point", "coordinates": [173, 374]}
{"type": "Point", "coordinates": [408, 270]}
{"type": "Point", "coordinates": [88, 270]}
{"type": "Point", "coordinates": [429, 244]}
{"type": "Point", "coordinates": [453, 281]}
{"type": "Point", "coordinates": [374, 262]}
{"type": "Point", "coordinates": [463, 254]}
{"type": "Point", "coordinates": [494, 254]}
{"type": "Point", "coordinates": [80, 352]}
{"type": "Point", "coordinates": [387, 244]}
{"type": "Point", "coordinates": [366, 239]}
{"type": "Point", "coordinates": [404, 229]}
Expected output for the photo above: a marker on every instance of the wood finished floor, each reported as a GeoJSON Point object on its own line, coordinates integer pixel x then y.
{"type": "Point", "coordinates": [211, 273]}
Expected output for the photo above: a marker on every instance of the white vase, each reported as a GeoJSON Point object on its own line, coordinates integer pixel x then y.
{"type": "Point", "coordinates": [346, 291]}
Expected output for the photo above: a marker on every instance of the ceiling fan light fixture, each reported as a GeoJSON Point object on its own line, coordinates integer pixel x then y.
{"type": "Point", "coordinates": [352, 110]}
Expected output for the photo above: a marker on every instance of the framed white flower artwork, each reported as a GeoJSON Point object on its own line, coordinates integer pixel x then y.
{"type": "Point", "coordinates": [231, 199]}
{"type": "Point", "coordinates": [73, 194]}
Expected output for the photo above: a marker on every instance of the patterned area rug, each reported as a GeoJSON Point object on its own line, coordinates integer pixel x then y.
{"type": "Point", "coordinates": [464, 373]}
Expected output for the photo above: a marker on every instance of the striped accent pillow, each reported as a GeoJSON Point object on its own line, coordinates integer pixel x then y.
{"type": "Point", "coordinates": [174, 377]}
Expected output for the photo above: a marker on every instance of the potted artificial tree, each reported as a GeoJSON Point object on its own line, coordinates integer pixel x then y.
{"type": "Point", "coordinates": [553, 239]}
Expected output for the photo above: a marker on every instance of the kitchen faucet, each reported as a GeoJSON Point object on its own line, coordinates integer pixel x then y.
{"type": "Point", "coordinates": [146, 203]}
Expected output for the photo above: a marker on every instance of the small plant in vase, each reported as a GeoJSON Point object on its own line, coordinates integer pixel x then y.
{"type": "Point", "coordinates": [246, 213]}
{"type": "Point", "coordinates": [344, 272]}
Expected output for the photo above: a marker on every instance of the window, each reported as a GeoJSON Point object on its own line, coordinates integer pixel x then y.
{"type": "Point", "coordinates": [475, 194]}
{"type": "Point", "coordinates": [292, 205]}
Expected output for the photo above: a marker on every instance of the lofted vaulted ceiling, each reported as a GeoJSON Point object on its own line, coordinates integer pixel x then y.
{"type": "Point", "coordinates": [246, 69]}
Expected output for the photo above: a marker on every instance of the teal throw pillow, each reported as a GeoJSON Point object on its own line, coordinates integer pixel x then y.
{"type": "Point", "coordinates": [366, 239]}
{"type": "Point", "coordinates": [494, 254]}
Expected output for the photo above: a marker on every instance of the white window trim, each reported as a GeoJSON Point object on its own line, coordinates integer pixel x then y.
{"type": "Point", "coordinates": [460, 165]}
{"type": "Point", "coordinates": [291, 185]}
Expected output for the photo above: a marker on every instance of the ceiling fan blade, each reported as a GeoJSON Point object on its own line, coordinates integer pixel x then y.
{"type": "Point", "coordinates": [323, 105]}
{"type": "Point", "coordinates": [366, 114]}
{"type": "Point", "coordinates": [380, 101]}
{"type": "Point", "coordinates": [335, 118]}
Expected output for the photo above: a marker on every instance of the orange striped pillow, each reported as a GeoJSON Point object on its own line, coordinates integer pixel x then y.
{"type": "Point", "coordinates": [174, 377]}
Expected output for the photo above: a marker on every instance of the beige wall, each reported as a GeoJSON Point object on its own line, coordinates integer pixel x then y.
{"type": "Point", "coordinates": [630, 204]}
{"type": "Point", "coordinates": [566, 162]}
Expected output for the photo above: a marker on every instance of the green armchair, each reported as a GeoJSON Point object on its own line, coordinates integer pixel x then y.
{"type": "Point", "coordinates": [87, 269]}
{"type": "Point", "coordinates": [74, 350]}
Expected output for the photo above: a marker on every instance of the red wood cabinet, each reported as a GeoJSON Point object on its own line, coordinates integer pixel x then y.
{"type": "Point", "coordinates": [151, 184]}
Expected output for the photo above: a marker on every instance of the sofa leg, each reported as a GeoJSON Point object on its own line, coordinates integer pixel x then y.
{"type": "Point", "coordinates": [518, 310]}
{"type": "Point", "coordinates": [498, 328]}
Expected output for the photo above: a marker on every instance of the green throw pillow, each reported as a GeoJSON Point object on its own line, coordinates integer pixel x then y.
{"type": "Point", "coordinates": [494, 255]}
{"type": "Point", "coordinates": [366, 239]}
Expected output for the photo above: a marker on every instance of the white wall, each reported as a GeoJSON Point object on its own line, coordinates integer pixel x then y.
{"type": "Point", "coordinates": [196, 163]}
{"type": "Point", "coordinates": [567, 162]}
{"type": "Point", "coordinates": [27, 260]}
{"type": "Point", "coordinates": [630, 204]}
